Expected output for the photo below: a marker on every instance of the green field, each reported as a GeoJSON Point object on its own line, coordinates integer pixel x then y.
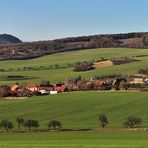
{"type": "Point", "coordinates": [79, 110]}
{"type": "Point", "coordinates": [65, 58]}
{"type": "Point", "coordinates": [76, 110]}
{"type": "Point", "coordinates": [105, 139]}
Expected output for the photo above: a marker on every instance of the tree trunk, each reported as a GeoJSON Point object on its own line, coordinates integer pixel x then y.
{"type": "Point", "coordinates": [29, 128]}
{"type": "Point", "coordinates": [7, 130]}
{"type": "Point", "coordinates": [54, 126]}
{"type": "Point", "coordinates": [19, 127]}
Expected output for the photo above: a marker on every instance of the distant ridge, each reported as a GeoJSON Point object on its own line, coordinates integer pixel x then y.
{"type": "Point", "coordinates": [9, 39]}
{"type": "Point", "coordinates": [31, 50]}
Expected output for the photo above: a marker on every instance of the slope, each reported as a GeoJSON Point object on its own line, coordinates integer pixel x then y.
{"type": "Point", "coordinates": [79, 110]}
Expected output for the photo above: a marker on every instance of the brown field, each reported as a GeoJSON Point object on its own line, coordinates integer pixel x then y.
{"type": "Point", "coordinates": [103, 64]}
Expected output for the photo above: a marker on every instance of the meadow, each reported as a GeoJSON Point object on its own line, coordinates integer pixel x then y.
{"type": "Point", "coordinates": [93, 139]}
{"type": "Point", "coordinates": [79, 110]}
{"type": "Point", "coordinates": [65, 58]}
{"type": "Point", "coordinates": [76, 110]}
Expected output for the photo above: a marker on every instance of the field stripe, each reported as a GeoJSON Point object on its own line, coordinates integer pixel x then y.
{"type": "Point", "coordinates": [68, 146]}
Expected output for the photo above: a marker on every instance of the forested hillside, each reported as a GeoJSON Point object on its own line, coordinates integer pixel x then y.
{"type": "Point", "coordinates": [40, 48]}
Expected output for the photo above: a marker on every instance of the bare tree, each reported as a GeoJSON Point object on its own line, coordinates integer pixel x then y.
{"type": "Point", "coordinates": [132, 122]}
{"type": "Point", "coordinates": [54, 124]}
{"type": "Point", "coordinates": [103, 120]}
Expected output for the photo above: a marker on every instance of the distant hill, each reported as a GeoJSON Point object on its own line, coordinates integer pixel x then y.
{"type": "Point", "coordinates": [8, 39]}
{"type": "Point", "coordinates": [36, 49]}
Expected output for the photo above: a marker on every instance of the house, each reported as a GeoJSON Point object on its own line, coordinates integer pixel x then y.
{"type": "Point", "coordinates": [32, 87]}
{"type": "Point", "coordinates": [18, 91]}
{"type": "Point", "coordinates": [98, 83]}
{"type": "Point", "coordinates": [53, 92]}
{"type": "Point", "coordinates": [138, 81]}
{"type": "Point", "coordinates": [59, 88]}
{"type": "Point", "coordinates": [43, 90]}
{"type": "Point", "coordinates": [15, 87]}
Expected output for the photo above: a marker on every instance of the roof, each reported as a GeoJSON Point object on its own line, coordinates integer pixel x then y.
{"type": "Point", "coordinates": [15, 87]}
{"type": "Point", "coordinates": [31, 86]}
{"type": "Point", "coordinates": [60, 88]}
{"type": "Point", "coordinates": [98, 83]}
{"type": "Point", "coordinates": [43, 88]}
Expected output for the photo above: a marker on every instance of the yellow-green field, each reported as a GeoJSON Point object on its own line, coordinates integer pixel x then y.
{"type": "Point", "coordinates": [76, 110]}
{"type": "Point", "coordinates": [129, 139]}
{"type": "Point", "coordinates": [79, 110]}
{"type": "Point", "coordinates": [65, 58]}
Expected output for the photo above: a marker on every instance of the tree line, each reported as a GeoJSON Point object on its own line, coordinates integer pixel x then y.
{"type": "Point", "coordinates": [32, 125]}
{"type": "Point", "coordinates": [37, 49]}
{"type": "Point", "coordinates": [29, 123]}
{"type": "Point", "coordinates": [130, 122]}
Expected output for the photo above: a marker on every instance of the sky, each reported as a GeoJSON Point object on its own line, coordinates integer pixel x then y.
{"type": "Point", "coordinates": [33, 20]}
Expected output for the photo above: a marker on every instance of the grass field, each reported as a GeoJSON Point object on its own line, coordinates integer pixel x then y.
{"type": "Point", "coordinates": [62, 59]}
{"type": "Point", "coordinates": [105, 139]}
{"type": "Point", "coordinates": [79, 110]}
{"type": "Point", "coordinates": [76, 110]}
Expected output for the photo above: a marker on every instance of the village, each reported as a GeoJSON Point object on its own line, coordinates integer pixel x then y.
{"type": "Point", "coordinates": [136, 82]}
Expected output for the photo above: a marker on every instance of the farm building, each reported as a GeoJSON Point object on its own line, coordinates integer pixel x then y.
{"type": "Point", "coordinates": [59, 88]}
{"type": "Point", "coordinates": [43, 90]}
{"type": "Point", "coordinates": [138, 81]}
{"type": "Point", "coordinates": [32, 87]}
{"type": "Point", "coordinates": [53, 92]}
{"type": "Point", "coordinates": [15, 87]}
{"type": "Point", "coordinates": [98, 84]}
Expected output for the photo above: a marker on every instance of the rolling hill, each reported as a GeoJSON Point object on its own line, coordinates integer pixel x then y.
{"type": "Point", "coordinates": [9, 39]}
{"type": "Point", "coordinates": [79, 110]}
{"type": "Point", "coordinates": [60, 65]}
{"type": "Point", "coordinates": [37, 49]}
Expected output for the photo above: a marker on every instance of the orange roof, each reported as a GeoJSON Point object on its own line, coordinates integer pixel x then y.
{"type": "Point", "coordinates": [15, 87]}
{"type": "Point", "coordinates": [31, 86]}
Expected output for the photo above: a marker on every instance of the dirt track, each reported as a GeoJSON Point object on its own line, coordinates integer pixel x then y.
{"type": "Point", "coordinates": [13, 98]}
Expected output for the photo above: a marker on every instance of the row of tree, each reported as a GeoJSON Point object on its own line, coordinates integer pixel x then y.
{"type": "Point", "coordinates": [130, 122]}
{"type": "Point", "coordinates": [30, 123]}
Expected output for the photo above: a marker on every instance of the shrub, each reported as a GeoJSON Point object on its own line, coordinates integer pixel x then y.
{"type": "Point", "coordinates": [132, 121]}
{"type": "Point", "coordinates": [103, 120]}
{"type": "Point", "coordinates": [54, 124]}
{"type": "Point", "coordinates": [6, 124]}
{"type": "Point", "coordinates": [4, 91]}
{"type": "Point", "coordinates": [31, 123]}
{"type": "Point", "coordinates": [85, 66]}
{"type": "Point", "coordinates": [143, 71]}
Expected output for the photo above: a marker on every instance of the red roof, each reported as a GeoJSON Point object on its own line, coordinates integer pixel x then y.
{"type": "Point", "coordinates": [98, 83]}
{"type": "Point", "coordinates": [31, 86]}
{"type": "Point", "coordinates": [43, 88]}
{"type": "Point", "coordinates": [59, 88]}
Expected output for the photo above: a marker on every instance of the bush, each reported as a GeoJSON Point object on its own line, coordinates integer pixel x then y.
{"type": "Point", "coordinates": [143, 71]}
{"type": "Point", "coordinates": [31, 123]}
{"type": "Point", "coordinates": [54, 124]}
{"type": "Point", "coordinates": [85, 66]}
{"type": "Point", "coordinates": [4, 91]}
{"type": "Point", "coordinates": [103, 120]}
{"type": "Point", "coordinates": [111, 76]}
{"type": "Point", "coordinates": [6, 124]}
{"type": "Point", "coordinates": [132, 122]}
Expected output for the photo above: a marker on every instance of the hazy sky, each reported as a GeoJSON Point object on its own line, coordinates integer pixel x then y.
{"type": "Point", "coordinates": [49, 19]}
